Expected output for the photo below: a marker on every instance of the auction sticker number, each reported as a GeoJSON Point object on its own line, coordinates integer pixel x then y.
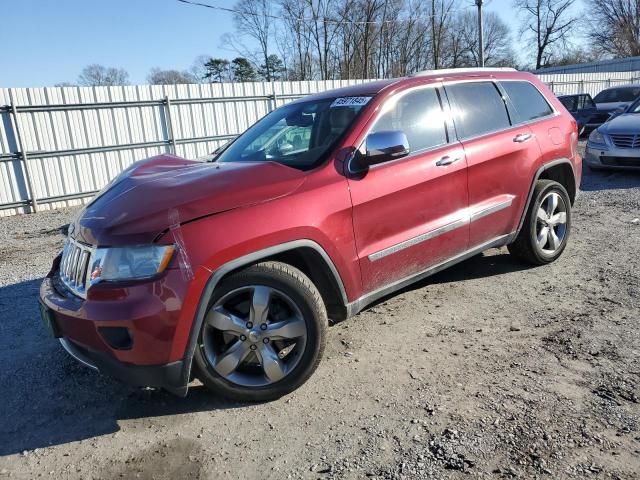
{"type": "Point", "coordinates": [350, 102]}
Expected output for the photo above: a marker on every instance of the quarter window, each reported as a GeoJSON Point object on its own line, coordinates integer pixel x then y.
{"type": "Point", "coordinates": [528, 103]}
{"type": "Point", "coordinates": [419, 115]}
{"type": "Point", "coordinates": [478, 108]}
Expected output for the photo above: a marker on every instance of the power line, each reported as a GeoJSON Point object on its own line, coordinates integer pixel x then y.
{"type": "Point", "coordinates": [306, 20]}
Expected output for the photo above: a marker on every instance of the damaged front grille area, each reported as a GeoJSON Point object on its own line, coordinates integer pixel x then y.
{"type": "Point", "coordinates": [74, 266]}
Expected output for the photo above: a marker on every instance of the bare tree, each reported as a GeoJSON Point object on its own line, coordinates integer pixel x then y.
{"type": "Point", "coordinates": [198, 69]}
{"type": "Point", "coordinates": [615, 26]}
{"type": "Point", "coordinates": [96, 75]}
{"type": "Point", "coordinates": [440, 21]}
{"type": "Point", "coordinates": [254, 19]}
{"type": "Point", "coordinates": [498, 51]}
{"type": "Point", "coordinates": [576, 55]}
{"type": "Point", "coordinates": [325, 27]}
{"type": "Point", "coordinates": [329, 39]}
{"type": "Point", "coordinates": [548, 23]}
{"type": "Point", "coordinates": [169, 77]}
{"type": "Point", "coordinates": [296, 37]}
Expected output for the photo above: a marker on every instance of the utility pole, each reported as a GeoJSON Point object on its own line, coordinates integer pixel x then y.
{"type": "Point", "coordinates": [480, 34]}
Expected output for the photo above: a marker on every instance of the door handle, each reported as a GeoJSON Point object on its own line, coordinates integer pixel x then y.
{"type": "Point", "coordinates": [447, 160]}
{"type": "Point", "coordinates": [523, 137]}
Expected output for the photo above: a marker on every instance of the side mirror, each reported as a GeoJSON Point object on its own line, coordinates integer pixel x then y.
{"type": "Point", "coordinates": [386, 145]}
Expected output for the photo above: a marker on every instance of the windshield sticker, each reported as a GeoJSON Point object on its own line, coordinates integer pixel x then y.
{"type": "Point", "coordinates": [350, 102]}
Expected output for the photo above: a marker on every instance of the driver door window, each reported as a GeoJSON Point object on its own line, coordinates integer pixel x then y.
{"type": "Point", "coordinates": [419, 115]}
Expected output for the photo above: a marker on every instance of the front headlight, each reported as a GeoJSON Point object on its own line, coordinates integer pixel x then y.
{"type": "Point", "coordinates": [596, 137]}
{"type": "Point", "coordinates": [129, 263]}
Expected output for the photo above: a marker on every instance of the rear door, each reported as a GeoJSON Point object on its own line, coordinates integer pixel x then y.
{"type": "Point", "coordinates": [409, 213]}
{"type": "Point", "coordinates": [499, 158]}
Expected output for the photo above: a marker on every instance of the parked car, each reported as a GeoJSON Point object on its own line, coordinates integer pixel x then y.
{"type": "Point", "coordinates": [228, 270]}
{"type": "Point", "coordinates": [612, 101]}
{"type": "Point", "coordinates": [585, 111]}
{"type": "Point", "coordinates": [616, 144]}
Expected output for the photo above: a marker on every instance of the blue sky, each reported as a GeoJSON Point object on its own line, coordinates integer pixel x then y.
{"type": "Point", "coordinates": [44, 42]}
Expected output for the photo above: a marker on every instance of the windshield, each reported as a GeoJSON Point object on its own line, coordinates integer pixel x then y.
{"type": "Point", "coordinates": [627, 94]}
{"type": "Point", "coordinates": [298, 135]}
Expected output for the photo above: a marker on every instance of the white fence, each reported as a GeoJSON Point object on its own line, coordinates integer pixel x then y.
{"type": "Point", "coordinates": [592, 83]}
{"type": "Point", "coordinates": [60, 145]}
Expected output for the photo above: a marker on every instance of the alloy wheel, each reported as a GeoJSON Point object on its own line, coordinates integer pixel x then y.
{"type": "Point", "coordinates": [551, 223]}
{"type": "Point", "coordinates": [254, 336]}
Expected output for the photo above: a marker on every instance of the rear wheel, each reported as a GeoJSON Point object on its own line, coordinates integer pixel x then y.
{"type": "Point", "coordinates": [546, 226]}
{"type": "Point", "coordinates": [263, 335]}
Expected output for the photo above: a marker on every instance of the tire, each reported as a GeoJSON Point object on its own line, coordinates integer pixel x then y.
{"type": "Point", "coordinates": [530, 244]}
{"type": "Point", "coordinates": [294, 308]}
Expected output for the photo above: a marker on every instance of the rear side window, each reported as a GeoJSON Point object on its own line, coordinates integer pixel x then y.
{"type": "Point", "coordinates": [478, 108]}
{"type": "Point", "coordinates": [527, 101]}
{"type": "Point", "coordinates": [622, 94]}
{"type": "Point", "coordinates": [419, 115]}
{"type": "Point", "coordinates": [569, 103]}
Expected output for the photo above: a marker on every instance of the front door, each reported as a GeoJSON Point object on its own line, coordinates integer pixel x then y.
{"type": "Point", "coordinates": [410, 213]}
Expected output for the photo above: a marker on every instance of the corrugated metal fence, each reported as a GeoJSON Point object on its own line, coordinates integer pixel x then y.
{"type": "Point", "coordinates": [60, 145]}
{"type": "Point", "coordinates": [592, 83]}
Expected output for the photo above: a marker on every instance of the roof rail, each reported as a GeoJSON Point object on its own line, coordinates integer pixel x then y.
{"type": "Point", "coordinates": [462, 70]}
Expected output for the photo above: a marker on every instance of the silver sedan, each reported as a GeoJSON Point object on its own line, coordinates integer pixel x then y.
{"type": "Point", "coordinates": [616, 144]}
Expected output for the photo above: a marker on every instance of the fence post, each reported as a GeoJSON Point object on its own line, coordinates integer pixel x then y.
{"type": "Point", "coordinates": [551, 86]}
{"type": "Point", "coordinates": [273, 97]}
{"type": "Point", "coordinates": [23, 155]}
{"type": "Point", "coordinates": [172, 137]}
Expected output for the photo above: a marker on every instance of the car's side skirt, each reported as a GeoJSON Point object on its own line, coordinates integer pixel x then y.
{"type": "Point", "coordinates": [357, 305]}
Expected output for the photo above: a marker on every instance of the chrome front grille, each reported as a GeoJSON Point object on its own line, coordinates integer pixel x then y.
{"type": "Point", "coordinates": [625, 141]}
{"type": "Point", "coordinates": [74, 266]}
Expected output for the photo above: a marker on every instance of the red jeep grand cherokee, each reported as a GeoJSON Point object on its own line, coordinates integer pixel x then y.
{"type": "Point", "coordinates": [228, 270]}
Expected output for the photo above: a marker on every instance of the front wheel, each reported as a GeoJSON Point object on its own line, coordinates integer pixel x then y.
{"type": "Point", "coordinates": [546, 226]}
{"type": "Point", "coordinates": [263, 335]}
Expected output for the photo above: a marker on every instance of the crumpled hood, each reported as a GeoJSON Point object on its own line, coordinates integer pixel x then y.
{"type": "Point", "coordinates": [137, 206]}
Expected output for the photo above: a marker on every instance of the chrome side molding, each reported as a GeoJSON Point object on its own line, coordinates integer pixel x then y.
{"type": "Point", "coordinates": [440, 230]}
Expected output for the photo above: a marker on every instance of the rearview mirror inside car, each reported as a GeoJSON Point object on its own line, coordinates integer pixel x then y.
{"type": "Point", "coordinates": [299, 119]}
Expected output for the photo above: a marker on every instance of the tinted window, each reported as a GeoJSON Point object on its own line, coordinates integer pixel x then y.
{"type": "Point", "coordinates": [623, 94]}
{"type": "Point", "coordinates": [527, 101]}
{"type": "Point", "coordinates": [586, 102]}
{"type": "Point", "coordinates": [569, 103]}
{"type": "Point", "coordinates": [478, 108]}
{"type": "Point", "coordinates": [419, 115]}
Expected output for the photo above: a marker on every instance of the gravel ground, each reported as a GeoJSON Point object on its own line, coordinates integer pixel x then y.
{"type": "Point", "coordinates": [490, 369]}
